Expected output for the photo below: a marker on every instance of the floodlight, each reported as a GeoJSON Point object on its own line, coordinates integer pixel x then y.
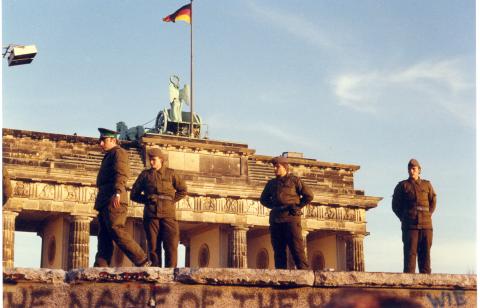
{"type": "Point", "coordinates": [20, 54]}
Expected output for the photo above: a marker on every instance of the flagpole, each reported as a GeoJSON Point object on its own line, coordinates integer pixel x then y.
{"type": "Point", "coordinates": [191, 69]}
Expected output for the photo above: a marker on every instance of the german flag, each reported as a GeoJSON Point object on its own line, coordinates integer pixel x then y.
{"type": "Point", "coordinates": [184, 13]}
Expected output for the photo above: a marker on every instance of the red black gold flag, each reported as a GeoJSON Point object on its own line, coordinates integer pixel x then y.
{"type": "Point", "coordinates": [184, 13]}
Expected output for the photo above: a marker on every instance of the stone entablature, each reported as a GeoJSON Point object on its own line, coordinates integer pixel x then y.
{"type": "Point", "coordinates": [64, 198]}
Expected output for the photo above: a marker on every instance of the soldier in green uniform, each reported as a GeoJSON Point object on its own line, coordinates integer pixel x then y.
{"type": "Point", "coordinates": [111, 204]}
{"type": "Point", "coordinates": [285, 196]}
{"type": "Point", "coordinates": [159, 188]}
{"type": "Point", "coordinates": [414, 202]}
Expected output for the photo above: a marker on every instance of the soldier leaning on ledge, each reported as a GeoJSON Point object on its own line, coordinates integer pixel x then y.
{"type": "Point", "coordinates": [286, 195]}
{"type": "Point", "coordinates": [111, 204]}
{"type": "Point", "coordinates": [414, 202]}
{"type": "Point", "coordinates": [159, 188]}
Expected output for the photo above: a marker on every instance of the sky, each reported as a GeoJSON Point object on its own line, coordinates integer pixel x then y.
{"type": "Point", "coordinates": [372, 83]}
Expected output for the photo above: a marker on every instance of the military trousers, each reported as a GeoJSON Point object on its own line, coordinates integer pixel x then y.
{"type": "Point", "coordinates": [288, 234]}
{"type": "Point", "coordinates": [417, 242]}
{"type": "Point", "coordinates": [111, 228]}
{"type": "Point", "coordinates": [162, 231]}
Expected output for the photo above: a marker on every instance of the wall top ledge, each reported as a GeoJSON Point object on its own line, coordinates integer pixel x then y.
{"type": "Point", "coordinates": [243, 277]}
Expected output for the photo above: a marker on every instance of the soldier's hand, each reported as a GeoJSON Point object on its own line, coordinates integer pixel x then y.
{"type": "Point", "coordinates": [153, 198]}
{"type": "Point", "coordinates": [115, 201]}
{"type": "Point", "coordinates": [294, 209]}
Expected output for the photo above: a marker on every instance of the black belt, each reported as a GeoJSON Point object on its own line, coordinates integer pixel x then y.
{"type": "Point", "coordinates": [165, 197]}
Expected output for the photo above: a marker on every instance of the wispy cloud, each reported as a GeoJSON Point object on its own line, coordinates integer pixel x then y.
{"type": "Point", "coordinates": [294, 25]}
{"type": "Point", "coordinates": [267, 131]}
{"type": "Point", "coordinates": [437, 84]}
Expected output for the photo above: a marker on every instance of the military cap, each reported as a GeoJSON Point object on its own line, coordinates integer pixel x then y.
{"type": "Point", "coordinates": [156, 152]}
{"type": "Point", "coordinates": [107, 133]}
{"type": "Point", "coordinates": [280, 160]}
{"type": "Point", "coordinates": [413, 162]}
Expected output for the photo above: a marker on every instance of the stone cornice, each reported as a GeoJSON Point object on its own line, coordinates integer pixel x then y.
{"type": "Point", "coordinates": [198, 144]}
{"type": "Point", "coordinates": [310, 163]}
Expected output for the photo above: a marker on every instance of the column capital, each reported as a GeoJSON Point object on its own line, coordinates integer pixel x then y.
{"type": "Point", "coordinates": [240, 227]}
{"type": "Point", "coordinates": [80, 217]}
{"type": "Point", "coordinates": [10, 212]}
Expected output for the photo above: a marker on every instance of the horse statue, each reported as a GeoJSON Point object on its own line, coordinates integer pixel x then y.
{"type": "Point", "coordinates": [130, 134]}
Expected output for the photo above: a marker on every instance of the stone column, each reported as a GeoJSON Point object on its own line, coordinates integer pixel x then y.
{"type": "Point", "coordinates": [186, 243]}
{"type": "Point", "coordinates": [237, 247]}
{"type": "Point", "coordinates": [8, 237]}
{"type": "Point", "coordinates": [304, 235]}
{"type": "Point", "coordinates": [354, 251]}
{"type": "Point", "coordinates": [79, 240]}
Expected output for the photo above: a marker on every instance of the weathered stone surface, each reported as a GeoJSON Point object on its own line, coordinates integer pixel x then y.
{"type": "Point", "coordinates": [121, 274]}
{"type": "Point", "coordinates": [229, 276]}
{"type": "Point", "coordinates": [21, 275]}
{"type": "Point", "coordinates": [385, 280]}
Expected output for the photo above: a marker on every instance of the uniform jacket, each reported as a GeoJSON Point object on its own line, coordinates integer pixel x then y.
{"type": "Point", "coordinates": [112, 177]}
{"type": "Point", "coordinates": [286, 196]}
{"type": "Point", "coordinates": [164, 183]}
{"type": "Point", "coordinates": [414, 203]}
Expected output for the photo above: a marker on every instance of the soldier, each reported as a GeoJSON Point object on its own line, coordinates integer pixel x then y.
{"type": "Point", "coordinates": [159, 188]}
{"type": "Point", "coordinates": [286, 195]}
{"type": "Point", "coordinates": [414, 202]}
{"type": "Point", "coordinates": [111, 204]}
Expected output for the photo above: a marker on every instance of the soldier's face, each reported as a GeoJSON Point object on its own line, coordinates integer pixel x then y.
{"type": "Point", "coordinates": [155, 162]}
{"type": "Point", "coordinates": [279, 170]}
{"type": "Point", "coordinates": [107, 143]}
{"type": "Point", "coordinates": [414, 172]}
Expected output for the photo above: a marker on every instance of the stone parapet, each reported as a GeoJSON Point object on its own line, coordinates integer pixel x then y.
{"type": "Point", "coordinates": [189, 287]}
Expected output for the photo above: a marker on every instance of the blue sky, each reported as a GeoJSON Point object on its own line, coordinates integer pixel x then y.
{"type": "Point", "coordinates": [372, 83]}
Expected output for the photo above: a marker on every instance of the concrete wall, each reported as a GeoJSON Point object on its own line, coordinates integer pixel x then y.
{"type": "Point", "coordinates": [188, 287]}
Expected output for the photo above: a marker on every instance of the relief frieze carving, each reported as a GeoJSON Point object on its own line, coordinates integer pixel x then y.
{"type": "Point", "coordinates": [330, 213]}
{"type": "Point", "coordinates": [350, 214]}
{"type": "Point", "coordinates": [186, 203]}
{"type": "Point", "coordinates": [232, 205]}
{"type": "Point", "coordinates": [91, 194]}
{"type": "Point", "coordinates": [21, 189]}
{"type": "Point", "coordinates": [46, 191]}
{"type": "Point", "coordinates": [254, 207]}
{"type": "Point", "coordinates": [71, 193]}
{"type": "Point", "coordinates": [209, 204]}
{"type": "Point", "coordinates": [312, 212]}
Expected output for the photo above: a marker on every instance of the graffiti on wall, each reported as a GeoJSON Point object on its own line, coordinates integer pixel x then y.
{"type": "Point", "coordinates": [170, 295]}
